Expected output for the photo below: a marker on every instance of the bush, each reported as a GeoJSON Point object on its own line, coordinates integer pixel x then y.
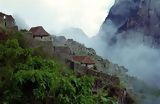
{"type": "Point", "coordinates": [29, 79]}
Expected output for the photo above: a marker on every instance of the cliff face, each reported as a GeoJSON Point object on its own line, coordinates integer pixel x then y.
{"type": "Point", "coordinates": [135, 15]}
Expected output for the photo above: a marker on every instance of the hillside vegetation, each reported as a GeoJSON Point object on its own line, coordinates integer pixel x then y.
{"type": "Point", "coordinates": [29, 78]}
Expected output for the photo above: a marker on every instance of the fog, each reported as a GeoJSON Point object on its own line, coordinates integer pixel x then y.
{"type": "Point", "coordinates": [20, 22]}
{"type": "Point", "coordinates": [56, 15]}
{"type": "Point", "coordinates": [142, 60]}
{"type": "Point", "coordinates": [138, 56]}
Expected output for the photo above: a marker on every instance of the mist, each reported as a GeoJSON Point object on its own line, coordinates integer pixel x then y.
{"type": "Point", "coordinates": [57, 15]}
{"type": "Point", "coordinates": [139, 57]}
{"type": "Point", "coordinates": [20, 22]}
{"type": "Point", "coordinates": [142, 60]}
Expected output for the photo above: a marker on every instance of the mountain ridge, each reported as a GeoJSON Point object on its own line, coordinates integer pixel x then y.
{"type": "Point", "coordinates": [135, 15]}
{"type": "Point", "coordinates": [104, 65]}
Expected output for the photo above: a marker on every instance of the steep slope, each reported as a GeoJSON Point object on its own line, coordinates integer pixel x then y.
{"type": "Point", "coordinates": [135, 15]}
{"type": "Point", "coordinates": [30, 70]}
{"type": "Point", "coordinates": [63, 87]}
{"type": "Point", "coordinates": [128, 36]}
{"type": "Point", "coordinates": [27, 76]}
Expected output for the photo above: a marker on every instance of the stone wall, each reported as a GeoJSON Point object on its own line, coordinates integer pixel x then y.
{"type": "Point", "coordinates": [2, 23]}
{"type": "Point", "coordinates": [59, 40]}
{"type": "Point", "coordinates": [80, 49]}
{"type": "Point", "coordinates": [8, 22]}
{"type": "Point", "coordinates": [46, 46]}
{"type": "Point", "coordinates": [108, 79]}
{"type": "Point", "coordinates": [61, 52]}
{"type": "Point", "coordinates": [46, 38]}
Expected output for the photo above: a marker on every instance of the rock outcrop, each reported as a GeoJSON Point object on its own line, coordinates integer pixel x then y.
{"type": "Point", "coordinates": [135, 15]}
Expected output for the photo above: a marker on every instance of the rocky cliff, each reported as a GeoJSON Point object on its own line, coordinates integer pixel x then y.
{"type": "Point", "coordinates": [134, 15]}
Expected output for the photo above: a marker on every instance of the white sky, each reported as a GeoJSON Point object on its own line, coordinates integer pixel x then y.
{"type": "Point", "coordinates": [56, 15]}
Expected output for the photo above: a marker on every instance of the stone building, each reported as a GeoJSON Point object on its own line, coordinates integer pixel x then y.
{"type": "Point", "coordinates": [40, 33]}
{"type": "Point", "coordinates": [7, 21]}
{"type": "Point", "coordinates": [59, 41]}
{"type": "Point", "coordinates": [61, 52]}
{"type": "Point", "coordinates": [80, 61]}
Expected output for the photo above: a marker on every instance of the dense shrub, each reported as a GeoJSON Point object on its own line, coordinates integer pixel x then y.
{"type": "Point", "coordinates": [29, 79]}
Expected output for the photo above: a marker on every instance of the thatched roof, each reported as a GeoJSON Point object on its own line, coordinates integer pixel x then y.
{"type": "Point", "coordinates": [83, 59]}
{"type": "Point", "coordinates": [8, 17]}
{"type": "Point", "coordinates": [38, 31]}
{"type": "Point", "coordinates": [2, 14]}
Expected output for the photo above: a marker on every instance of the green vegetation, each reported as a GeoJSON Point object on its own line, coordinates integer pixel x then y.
{"type": "Point", "coordinates": [31, 79]}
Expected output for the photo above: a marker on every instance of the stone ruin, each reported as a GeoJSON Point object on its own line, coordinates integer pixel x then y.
{"type": "Point", "coordinates": [8, 21]}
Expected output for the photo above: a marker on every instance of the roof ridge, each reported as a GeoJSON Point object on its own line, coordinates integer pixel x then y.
{"type": "Point", "coordinates": [39, 31]}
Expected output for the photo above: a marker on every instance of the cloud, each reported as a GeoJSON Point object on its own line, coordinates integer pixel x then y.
{"type": "Point", "coordinates": [56, 15]}
{"type": "Point", "coordinates": [133, 52]}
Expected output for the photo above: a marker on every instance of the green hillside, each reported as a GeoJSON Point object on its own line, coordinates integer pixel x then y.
{"type": "Point", "coordinates": [29, 78]}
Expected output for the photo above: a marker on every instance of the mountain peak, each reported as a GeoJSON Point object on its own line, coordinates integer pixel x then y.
{"type": "Point", "coordinates": [135, 15]}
